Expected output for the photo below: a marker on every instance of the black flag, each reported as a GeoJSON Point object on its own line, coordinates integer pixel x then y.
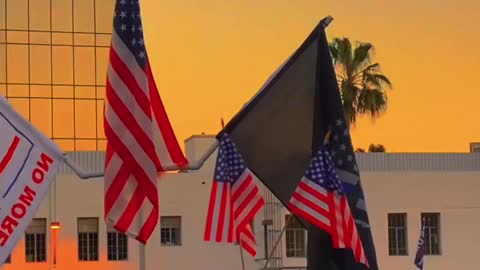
{"type": "Point", "coordinates": [297, 111]}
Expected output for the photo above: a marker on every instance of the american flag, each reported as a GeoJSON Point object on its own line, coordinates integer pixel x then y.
{"type": "Point", "coordinates": [420, 255]}
{"type": "Point", "coordinates": [319, 198]}
{"type": "Point", "coordinates": [140, 139]}
{"type": "Point", "coordinates": [340, 148]}
{"type": "Point", "coordinates": [235, 199]}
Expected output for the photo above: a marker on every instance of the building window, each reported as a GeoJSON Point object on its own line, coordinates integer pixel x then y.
{"type": "Point", "coordinates": [170, 231]}
{"type": "Point", "coordinates": [432, 233]}
{"type": "Point", "coordinates": [35, 240]}
{"type": "Point", "coordinates": [87, 239]}
{"type": "Point", "coordinates": [295, 236]}
{"type": "Point", "coordinates": [117, 245]}
{"type": "Point", "coordinates": [397, 234]}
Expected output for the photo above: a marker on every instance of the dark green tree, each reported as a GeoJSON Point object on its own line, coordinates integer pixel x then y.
{"type": "Point", "coordinates": [376, 148]}
{"type": "Point", "coordinates": [361, 82]}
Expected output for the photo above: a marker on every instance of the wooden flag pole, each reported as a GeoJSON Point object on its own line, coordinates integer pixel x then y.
{"type": "Point", "coordinates": [241, 256]}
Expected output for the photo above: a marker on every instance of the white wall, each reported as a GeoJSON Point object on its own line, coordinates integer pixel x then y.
{"type": "Point", "coordinates": [455, 195]}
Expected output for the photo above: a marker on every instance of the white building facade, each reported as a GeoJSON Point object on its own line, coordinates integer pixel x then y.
{"type": "Point", "coordinates": [400, 190]}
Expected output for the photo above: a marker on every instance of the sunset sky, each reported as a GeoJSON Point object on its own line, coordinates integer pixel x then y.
{"type": "Point", "coordinates": [210, 56]}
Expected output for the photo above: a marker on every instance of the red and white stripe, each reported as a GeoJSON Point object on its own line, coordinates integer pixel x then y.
{"type": "Point", "coordinates": [140, 143]}
{"type": "Point", "coordinates": [231, 210]}
{"type": "Point", "coordinates": [247, 240]}
{"type": "Point", "coordinates": [329, 212]}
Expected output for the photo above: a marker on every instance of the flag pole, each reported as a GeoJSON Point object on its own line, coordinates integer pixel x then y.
{"type": "Point", "coordinates": [195, 165]}
{"type": "Point", "coordinates": [241, 256]}
{"type": "Point", "coordinates": [142, 258]}
{"type": "Point", "coordinates": [270, 256]}
{"type": "Point", "coordinates": [319, 243]}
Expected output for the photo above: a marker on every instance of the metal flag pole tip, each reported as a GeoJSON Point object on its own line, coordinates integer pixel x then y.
{"type": "Point", "coordinates": [326, 21]}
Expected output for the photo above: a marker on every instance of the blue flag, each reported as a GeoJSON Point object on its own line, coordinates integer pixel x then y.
{"type": "Point", "coordinates": [420, 248]}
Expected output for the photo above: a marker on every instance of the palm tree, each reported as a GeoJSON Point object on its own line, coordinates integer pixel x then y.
{"type": "Point", "coordinates": [362, 84]}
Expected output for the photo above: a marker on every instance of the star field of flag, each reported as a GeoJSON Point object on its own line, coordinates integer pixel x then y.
{"type": "Point", "coordinates": [322, 172]}
{"type": "Point", "coordinates": [128, 26]}
{"type": "Point", "coordinates": [341, 149]}
{"type": "Point", "coordinates": [230, 164]}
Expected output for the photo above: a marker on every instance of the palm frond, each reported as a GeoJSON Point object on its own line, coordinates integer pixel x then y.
{"type": "Point", "coordinates": [372, 67]}
{"type": "Point", "coordinates": [343, 49]}
{"type": "Point", "coordinates": [376, 79]}
{"type": "Point", "coordinates": [362, 55]}
{"type": "Point", "coordinates": [362, 85]}
{"type": "Point", "coordinates": [372, 101]}
{"type": "Point", "coordinates": [383, 79]}
{"type": "Point", "coordinates": [349, 93]}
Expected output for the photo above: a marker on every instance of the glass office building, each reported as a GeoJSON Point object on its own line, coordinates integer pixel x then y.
{"type": "Point", "coordinates": [53, 60]}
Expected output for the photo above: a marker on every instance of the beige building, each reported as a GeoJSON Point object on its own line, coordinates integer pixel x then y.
{"type": "Point", "coordinates": [400, 188]}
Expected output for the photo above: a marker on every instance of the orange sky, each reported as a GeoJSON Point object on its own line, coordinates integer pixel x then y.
{"type": "Point", "coordinates": [210, 56]}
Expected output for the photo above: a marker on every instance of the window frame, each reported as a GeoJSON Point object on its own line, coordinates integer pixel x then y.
{"type": "Point", "coordinates": [40, 64]}
{"type": "Point", "coordinates": [90, 237]}
{"type": "Point", "coordinates": [178, 234]}
{"type": "Point", "coordinates": [40, 19]}
{"type": "Point", "coordinates": [398, 250]}
{"type": "Point", "coordinates": [38, 256]}
{"type": "Point", "coordinates": [17, 14]}
{"type": "Point", "coordinates": [17, 64]}
{"type": "Point", "coordinates": [428, 233]}
{"type": "Point", "coordinates": [117, 248]}
{"type": "Point", "coordinates": [294, 226]}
